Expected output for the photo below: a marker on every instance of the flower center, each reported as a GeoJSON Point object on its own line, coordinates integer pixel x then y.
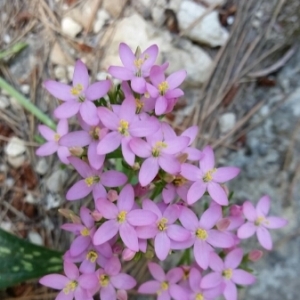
{"type": "Point", "coordinates": [123, 127]}
{"type": "Point", "coordinates": [201, 234]}
{"type": "Point", "coordinates": [163, 87]}
{"type": "Point", "coordinates": [56, 137]}
{"type": "Point", "coordinates": [77, 89]}
{"type": "Point", "coordinates": [85, 232]}
{"type": "Point", "coordinates": [92, 256]}
{"type": "Point", "coordinates": [94, 133]}
{"type": "Point", "coordinates": [158, 147]}
{"type": "Point", "coordinates": [122, 216]}
{"type": "Point", "coordinates": [199, 297]}
{"type": "Point", "coordinates": [70, 287]}
{"type": "Point", "coordinates": [179, 180]}
{"type": "Point", "coordinates": [260, 220]}
{"type": "Point", "coordinates": [91, 180]}
{"type": "Point", "coordinates": [186, 274]}
{"type": "Point", "coordinates": [162, 224]}
{"type": "Point", "coordinates": [104, 280]}
{"type": "Point", "coordinates": [138, 62]}
{"type": "Point", "coordinates": [227, 273]}
{"type": "Point", "coordinates": [209, 175]}
{"type": "Point", "coordinates": [139, 105]}
{"type": "Point", "coordinates": [164, 285]}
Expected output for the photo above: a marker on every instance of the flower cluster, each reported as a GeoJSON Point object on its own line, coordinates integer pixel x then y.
{"type": "Point", "coordinates": [145, 180]}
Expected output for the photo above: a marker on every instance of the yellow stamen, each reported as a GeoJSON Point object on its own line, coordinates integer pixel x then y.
{"type": "Point", "coordinates": [138, 62]}
{"type": "Point", "coordinates": [77, 89]}
{"type": "Point", "coordinates": [92, 256]}
{"type": "Point", "coordinates": [104, 280]}
{"type": "Point", "coordinates": [158, 147]}
{"type": "Point", "coordinates": [164, 285]}
{"type": "Point", "coordinates": [139, 105]}
{"type": "Point", "coordinates": [261, 220]}
{"type": "Point", "coordinates": [85, 232]}
{"type": "Point", "coordinates": [70, 287]}
{"type": "Point", "coordinates": [161, 225]}
{"type": "Point", "coordinates": [122, 216]}
{"type": "Point", "coordinates": [89, 181]}
{"type": "Point", "coordinates": [201, 234]}
{"type": "Point", "coordinates": [209, 175]}
{"type": "Point", "coordinates": [56, 137]}
{"type": "Point", "coordinates": [227, 273]}
{"type": "Point", "coordinates": [199, 297]}
{"type": "Point", "coordinates": [163, 87]}
{"type": "Point", "coordinates": [179, 180]}
{"type": "Point", "coordinates": [94, 133]}
{"type": "Point", "coordinates": [123, 127]}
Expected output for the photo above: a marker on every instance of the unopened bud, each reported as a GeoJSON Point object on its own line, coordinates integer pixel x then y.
{"type": "Point", "coordinates": [70, 215]}
{"type": "Point", "coordinates": [140, 191]}
{"type": "Point", "coordinates": [96, 215]}
{"type": "Point", "coordinates": [112, 195]}
{"type": "Point", "coordinates": [223, 224]}
{"type": "Point", "coordinates": [138, 51]}
{"type": "Point", "coordinates": [236, 210]}
{"type": "Point", "coordinates": [76, 151]}
{"type": "Point", "coordinates": [255, 255]}
{"type": "Point", "coordinates": [136, 166]}
{"type": "Point", "coordinates": [149, 254]}
{"type": "Point", "coordinates": [128, 254]}
{"type": "Point", "coordinates": [122, 295]}
{"type": "Point", "coordinates": [117, 249]}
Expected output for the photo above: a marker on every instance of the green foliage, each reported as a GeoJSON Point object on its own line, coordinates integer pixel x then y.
{"type": "Point", "coordinates": [15, 49]}
{"type": "Point", "coordinates": [21, 260]}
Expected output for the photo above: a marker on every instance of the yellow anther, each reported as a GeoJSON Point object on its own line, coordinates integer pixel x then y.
{"type": "Point", "coordinates": [77, 89]}
{"type": "Point", "coordinates": [138, 62]}
{"type": "Point", "coordinates": [163, 87]}
{"type": "Point", "coordinates": [92, 256]}
{"type": "Point", "coordinates": [123, 127]}
{"type": "Point", "coordinates": [179, 180]}
{"type": "Point", "coordinates": [161, 225]}
{"type": "Point", "coordinates": [164, 285]}
{"type": "Point", "coordinates": [139, 105]}
{"type": "Point", "coordinates": [56, 137]}
{"type": "Point", "coordinates": [199, 297]}
{"type": "Point", "coordinates": [84, 232]}
{"type": "Point", "coordinates": [94, 133]}
{"type": "Point", "coordinates": [261, 220]}
{"type": "Point", "coordinates": [201, 234]}
{"type": "Point", "coordinates": [89, 181]}
{"type": "Point", "coordinates": [227, 273]}
{"type": "Point", "coordinates": [209, 175]}
{"type": "Point", "coordinates": [70, 287]}
{"type": "Point", "coordinates": [158, 147]}
{"type": "Point", "coordinates": [147, 95]}
{"type": "Point", "coordinates": [104, 280]}
{"type": "Point", "coordinates": [122, 216]}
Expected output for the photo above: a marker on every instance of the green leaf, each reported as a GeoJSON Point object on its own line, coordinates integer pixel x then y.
{"type": "Point", "coordinates": [21, 260]}
{"type": "Point", "coordinates": [15, 49]}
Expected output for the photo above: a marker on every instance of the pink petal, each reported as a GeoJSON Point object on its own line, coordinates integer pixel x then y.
{"type": "Point", "coordinates": [113, 178]}
{"type": "Point", "coordinates": [120, 72]}
{"type": "Point", "coordinates": [128, 155]}
{"type": "Point", "coordinates": [177, 233]}
{"type": "Point", "coordinates": [150, 205]}
{"type": "Point", "coordinates": [67, 110]}
{"type": "Point", "coordinates": [176, 93]}
{"type": "Point", "coordinates": [58, 90]}
{"type": "Point", "coordinates": [174, 275]}
{"type": "Point", "coordinates": [81, 167]}
{"type": "Point", "coordinates": [79, 245]}
{"type": "Point", "coordinates": [249, 211]}
{"type": "Point", "coordinates": [161, 105]}
{"type": "Point", "coordinates": [113, 266]}
{"type": "Point", "coordinates": [210, 217]}
{"type": "Point", "coordinates": [75, 139]}
{"type": "Point", "coordinates": [242, 277]}
{"type": "Point", "coordinates": [171, 213]}
{"type": "Point", "coordinates": [96, 161]}
{"type": "Point", "coordinates": [191, 172]}
{"type": "Point", "coordinates": [176, 145]}
{"type": "Point", "coordinates": [87, 219]}
{"type": "Point", "coordinates": [169, 193]}
{"type": "Point", "coordinates": [105, 232]}
{"type": "Point", "coordinates": [153, 91]}
{"type": "Point", "coordinates": [156, 271]}
{"type": "Point", "coordinates": [47, 132]}
{"type": "Point", "coordinates": [108, 118]}
{"type": "Point", "coordinates": [88, 112]}
{"type": "Point", "coordinates": [233, 258]}
{"type": "Point", "coordinates": [216, 263]}
{"type": "Point", "coordinates": [149, 287]}
{"type": "Point", "coordinates": [195, 192]}
{"type": "Point", "coordinates": [151, 54]}
{"type": "Point", "coordinates": [88, 281]}
{"type": "Point", "coordinates": [275, 222]}
{"type": "Point", "coordinates": [175, 79]}
{"type": "Point", "coordinates": [109, 143]}
{"type": "Point", "coordinates": [144, 128]}
{"type": "Point", "coordinates": [148, 171]}
{"type": "Point", "coordinates": [140, 147]}
{"type": "Point", "coordinates": [225, 174]}
{"type": "Point", "coordinates": [193, 154]}
{"type": "Point", "coordinates": [108, 293]}
{"type": "Point", "coordinates": [62, 127]}
{"type": "Point", "coordinates": [139, 217]}
{"type": "Point", "coordinates": [98, 89]}
{"type": "Point", "coordinates": [162, 245]}
{"type": "Point", "coordinates": [157, 75]}
{"type": "Point", "coordinates": [191, 132]}
{"type": "Point", "coordinates": [62, 296]}
{"type": "Point", "coordinates": [220, 239]}
{"type": "Point", "coordinates": [246, 230]}
{"type": "Point", "coordinates": [78, 190]}
{"type": "Point", "coordinates": [201, 253]}
{"type": "Point", "coordinates": [178, 292]}
{"type": "Point", "coordinates": [195, 279]}
{"type": "Point", "coordinates": [123, 281]}
{"type": "Point", "coordinates": [126, 198]}
{"type": "Point", "coordinates": [47, 149]}
{"type": "Point", "coordinates": [169, 164]}
{"type": "Point", "coordinates": [122, 295]}
{"type": "Point", "coordinates": [99, 191]}
{"type": "Point", "coordinates": [264, 238]}
{"type": "Point", "coordinates": [211, 280]}
{"type": "Point", "coordinates": [64, 154]}
{"type": "Point", "coordinates": [81, 75]}
{"type": "Point", "coordinates": [207, 163]}
{"type": "Point", "coordinates": [127, 110]}
{"type": "Point", "coordinates": [127, 57]}
{"type": "Point", "coordinates": [107, 209]}
{"type": "Point", "coordinates": [71, 270]}
{"type": "Point", "coordinates": [146, 232]}
{"type": "Point", "coordinates": [263, 206]}
{"type": "Point", "coordinates": [188, 219]}
{"type": "Point", "coordinates": [165, 295]}
{"type": "Point", "coordinates": [138, 84]}
{"type": "Point", "coordinates": [230, 292]}
{"type": "Point", "coordinates": [54, 281]}
{"type": "Point", "coordinates": [129, 237]}
{"type": "Point", "coordinates": [217, 193]}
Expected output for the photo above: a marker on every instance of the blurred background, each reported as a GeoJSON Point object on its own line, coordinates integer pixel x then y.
{"type": "Point", "coordinates": [242, 89]}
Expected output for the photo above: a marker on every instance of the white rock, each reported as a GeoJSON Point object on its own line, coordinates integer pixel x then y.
{"type": "Point", "coordinates": [60, 72]}
{"type": "Point", "coordinates": [215, 2]}
{"type": "Point", "coordinates": [7, 226]}
{"type": "Point", "coordinates": [6, 39]}
{"type": "Point", "coordinates": [35, 238]}
{"type": "Point", "coordinates": [227, 122]}
{"type": "Point", "coordinates": [53, 201]}
{"type": "Point", "coordinates": [56, 181]}
{"type": "Point", "coordinates": [4, 102]}
{"type": "Point", "coordinates": [60, 57]}
{"type": "Point", "coordinates": [70, 27]}
{"type": "Point", "coordinates": [31, 199]}
{"type": "Point", "coordinates": [25, 89]}
{"type": "Point", "coordinates": [208, 31]}
{"type": "Point", "coordinates": [102, 18]}
{"type": "Point", "coordinates": [9, 182]}
{"type": "Point", "coordinates": [114, 7]}
{"type": "Point", "coordinates": [70, 70]}
{"type": "Point", "coordinates": [42, 166]}
{"type": "Point", "coordinates": [15, 147]}
{"type": "Point", "coordinates": [16, 161]}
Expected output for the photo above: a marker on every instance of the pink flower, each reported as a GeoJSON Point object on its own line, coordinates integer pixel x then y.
{"type": "Point", "coordinates": [79, 97]}
{"type": "Point", "coordinates": [94, 181]}
{"type": "Point", "coordinates": [163, 231]}
{"type": "Point", "coordinates": [207, 177]}
{"type": "Point", "coordinates": [122, 218]}
{"type": "Point", "coordinates": [124, 125]}
{"type": "Point", "coordinates": [226, 272]}
{"type": "Point", "coordinates": [53, 141]}
{"type": "Point", "coordinates": [136, 67]}
{"type": "Point", "coordinates": [164, 285]}
{"type": "Point", "coordinates": [259, 222]}
{"type": "Point", "coordinates": [164, 89]}
{"type": "Point", "coordinates": [72, 285]}
{"type": "Point", "coordinates": [111, 279]}
{"type": "Point", "coordinates": [203, 236]}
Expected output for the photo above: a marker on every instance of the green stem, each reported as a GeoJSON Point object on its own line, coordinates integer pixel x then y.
{"type": "Point", "coordinates": [27, 104]}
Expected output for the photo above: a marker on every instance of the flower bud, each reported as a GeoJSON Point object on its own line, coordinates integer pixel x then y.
{"type": "Point", "coordinates": [76, 151]}
{"type": "Point", "coordinates": [96, 215]}
{"type": "Point", "coordinates": [128, 254]}
{"type": "Point", "coordinates": [136, 166]}
{"type": "Point", "coordinates": [149, 254]}
{"type": "Point", "coordinates": [236, 211]}
{"type": "Point", "coordinates": [223, 224]}
{"type": "Point", "coordinates": [255, 255]}
{"type": "Point", "coordinates": [117, 249]}
{"type": "Point", "coordinates": [140, 191]}
{"type": "Point", "coordinates": [112, 195]}
{"type": "Point", "coordinates": [122, 295]}
{"type": "Point", "coordinates": [70, 215]}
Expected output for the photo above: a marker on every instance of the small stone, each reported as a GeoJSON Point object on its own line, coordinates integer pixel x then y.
{"type": "Point", "coordinates": [227, 122]}
{"type": "Point", "coordinates": [215, 2]}
{"type": "Point", "coordinates": [114, 7]}
{"type": "Point", "coordinates": [272, 156]}
{"type": "Point", "coordinates": [102, 76]}
{"type": "Point", "coordinates": [60, 72]}
{"type": "Point", "coordinates": [53, 201]}
{"type": "Point", "coordinates": [60, 57]}
{"type": "Point", "coordinates": [35, 238]}
{"type": "Point", "coordinates": [230, 20]}
{"type": "Point", "coordinates": [15, 147]}
{"type": "Point", "coordinates": [6, 39]}
{"type": "Point", "coordinates": [42, 166]}
{"type": "Point", "coordinates": [16, 161]}
{"type": "Point", "coordinates": [4, 102]}
{"type": "Point", "coordinates": [264, 111]}
{"type": "Point", "coordinates": [7, 226]}
{"type": "Point", "coordinates": [25, 89]}
{"type": "Point", "coordinates": [70, 27]}
{"type": "Point", "coordinates": [31, 199]}
{"type": "Point", "coordinates": [102, 18]}
{"type": "Point", "coordinates": [9, 182]}
{"type": "Point", "coordinates": [56, 181]}
{"type": "Point", "coordinates": [70, 70]}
